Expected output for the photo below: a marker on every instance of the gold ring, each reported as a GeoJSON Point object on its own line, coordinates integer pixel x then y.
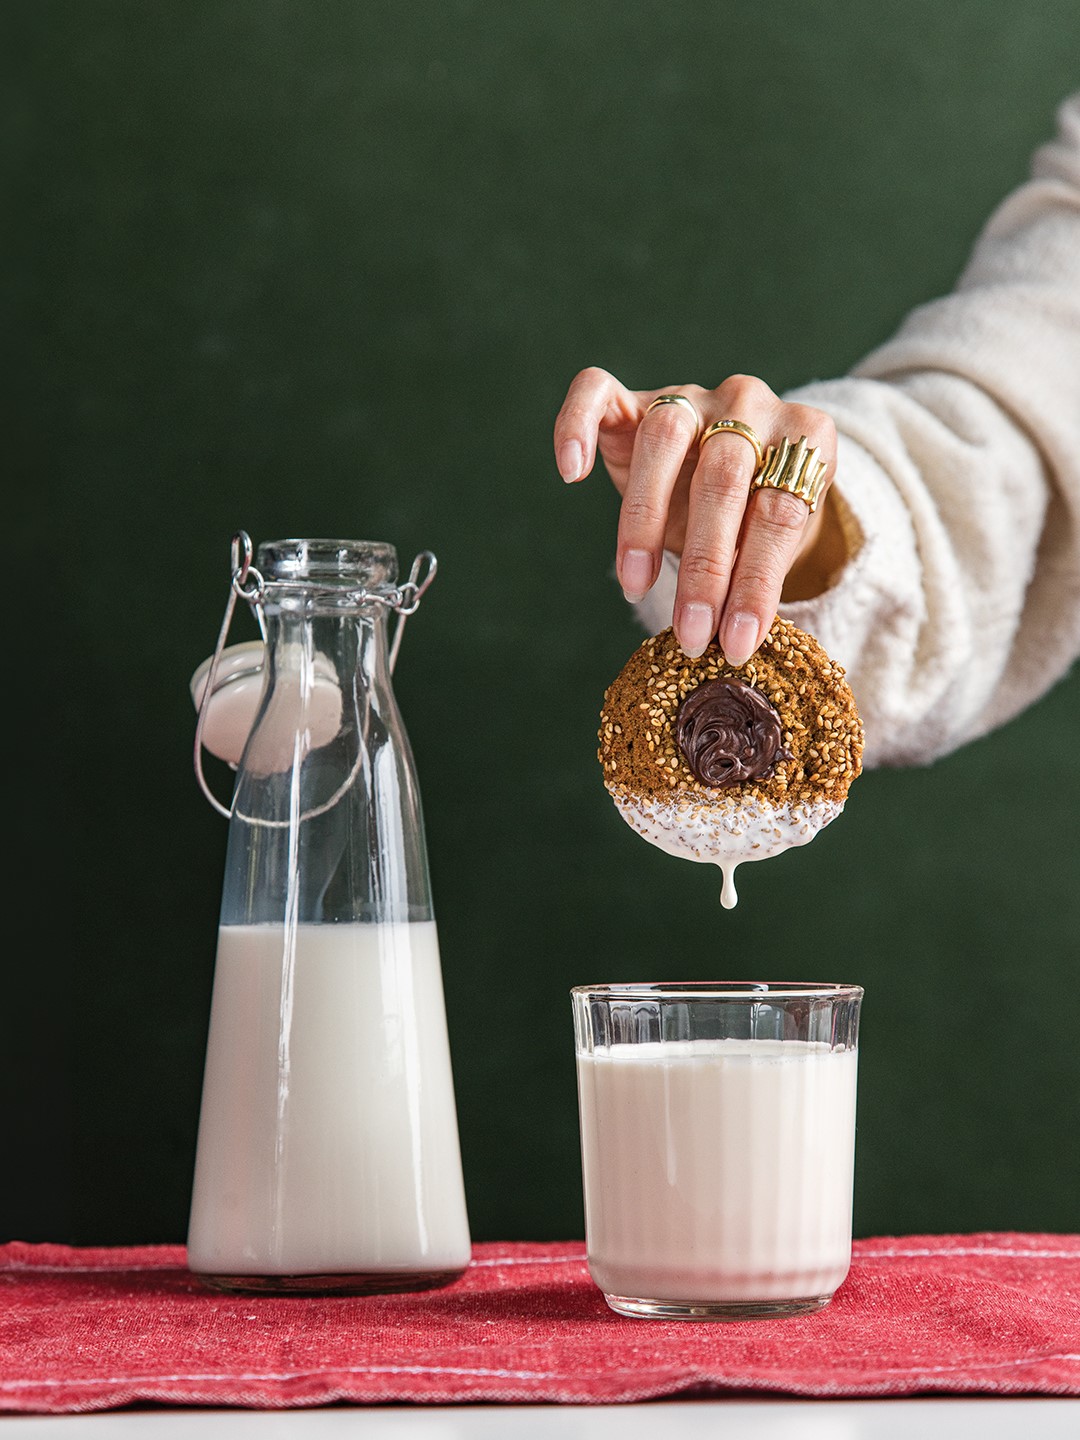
{"type": "Point", "coordinates": [678, 400]}
{"type": "Point", "coordinates": [736, 427]}
{"type": "Point", "coordinates": [794, 468]}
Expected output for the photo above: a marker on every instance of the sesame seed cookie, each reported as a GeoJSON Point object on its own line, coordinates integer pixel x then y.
{"type": "Point", "coordinates": [728, 764]}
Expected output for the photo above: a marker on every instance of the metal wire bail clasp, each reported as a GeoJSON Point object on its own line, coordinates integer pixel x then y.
{"type": "Point", "coordinates": [241, 569]}
{"type": "Point", "coordinates": [245, 583]}
{"type": "Point", "coordinates": [409, 596]}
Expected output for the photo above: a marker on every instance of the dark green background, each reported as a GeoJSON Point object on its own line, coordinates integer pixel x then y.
{"type": "Point", "coordinates": [326, 269]}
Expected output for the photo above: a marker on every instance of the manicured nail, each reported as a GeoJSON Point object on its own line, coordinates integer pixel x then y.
{"type": "Point", "coordinates": [571, 460]}
{"type": "Point", "coordinates": [739, 638]}
{"type": "Point", "coordinates": [696, 628]}
{"type": "Point", "coordinates": [636, 574]}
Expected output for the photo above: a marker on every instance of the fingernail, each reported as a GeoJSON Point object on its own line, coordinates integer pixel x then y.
{"type": "Point", "coordinates": [571, 460]}
{"type": "Point", "coordinates": [739, 638]}
{"type": "Point", "coordinates": [636, 574]}
{"type": "Point", "coordinates": [695, 629]}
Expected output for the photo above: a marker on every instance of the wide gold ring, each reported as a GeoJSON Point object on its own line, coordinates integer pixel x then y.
{"type": "Point", "coordinates": [673, 399]}
{"type": "Point", "coordinates": [796, 468]}
{"type": "Point", "coordinates": [736, 427]}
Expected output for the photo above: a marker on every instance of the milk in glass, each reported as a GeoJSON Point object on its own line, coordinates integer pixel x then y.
{"type": "Point", "coordinates": [718, 1170]}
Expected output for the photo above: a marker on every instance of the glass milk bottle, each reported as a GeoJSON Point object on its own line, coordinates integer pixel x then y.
{"type": "Point", "coordinates": [328, 1155]}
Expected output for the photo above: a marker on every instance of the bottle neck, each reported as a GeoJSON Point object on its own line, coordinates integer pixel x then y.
{"type": "Point", "coordinates": [331, 599]}
{"type": "Point", "coordinates": [350, 645]}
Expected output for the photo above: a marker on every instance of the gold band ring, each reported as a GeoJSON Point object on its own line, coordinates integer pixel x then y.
{"type": "Point", "coordinates": [678, 400]}
{"type": "Point", "coordinates": [794, 468]}
{"type": "Point", "coordinates": [736, 427]}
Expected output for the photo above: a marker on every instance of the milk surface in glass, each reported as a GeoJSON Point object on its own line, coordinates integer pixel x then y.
{"type": "Point", "coordinates": [718, 1170]}
{"type": "Point", "coordinates": [328, 1139]}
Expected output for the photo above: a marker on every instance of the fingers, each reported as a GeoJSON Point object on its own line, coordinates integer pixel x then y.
{"type": "Point", "coordinates": [740, 543]}
{"type": "Point", "coordinates": [737, 543]}
{"type": "Point", "coordinates": [773, 530]}
{"type": "Point", "coordinates": [666, 435]}
{"type": "Point", "coordinates": [594, 397]}
{"type": "Point", "coordinates": [719, 491]}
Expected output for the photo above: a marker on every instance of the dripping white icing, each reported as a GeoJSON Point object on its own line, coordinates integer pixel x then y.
{"type": "Point", "coordinates": [726, 837]}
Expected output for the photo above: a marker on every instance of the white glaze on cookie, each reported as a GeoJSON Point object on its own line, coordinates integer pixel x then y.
{"type": "Point", "coordinates": [723, 835]}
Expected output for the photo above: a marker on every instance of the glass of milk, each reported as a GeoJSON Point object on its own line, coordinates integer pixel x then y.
{"type": "Point", "coordinates": [718, 1145]}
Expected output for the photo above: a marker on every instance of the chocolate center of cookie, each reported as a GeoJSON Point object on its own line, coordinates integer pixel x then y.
{"type": "Point", "coordinates": [729, 733]}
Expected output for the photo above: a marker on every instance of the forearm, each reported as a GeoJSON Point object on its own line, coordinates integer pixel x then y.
{"type": "Point", "coordinates": [957, 498]}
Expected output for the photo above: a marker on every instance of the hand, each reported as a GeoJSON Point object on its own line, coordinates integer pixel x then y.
{"type": "Point", "coordinates": [737, 545]}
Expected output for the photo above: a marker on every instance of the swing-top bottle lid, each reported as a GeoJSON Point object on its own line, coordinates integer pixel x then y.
{"type": "Point", "coordinates": [237, 694]}
{"type": "Point", "coordinates": [238, 686]}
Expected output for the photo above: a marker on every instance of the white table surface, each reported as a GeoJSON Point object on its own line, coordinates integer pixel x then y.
{"type": "Point", "coordinates": [765, 1419]}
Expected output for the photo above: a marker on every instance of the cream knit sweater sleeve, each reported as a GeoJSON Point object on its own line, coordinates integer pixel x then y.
{"type": "Point", "coordinates": [958, 481]}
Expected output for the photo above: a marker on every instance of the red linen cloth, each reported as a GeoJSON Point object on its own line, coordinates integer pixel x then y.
{"type": "Point", "coordinates": [93, 1329]}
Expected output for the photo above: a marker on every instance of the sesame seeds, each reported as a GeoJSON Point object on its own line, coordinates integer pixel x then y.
{"type": "Point", "coordinates": [818, 718]}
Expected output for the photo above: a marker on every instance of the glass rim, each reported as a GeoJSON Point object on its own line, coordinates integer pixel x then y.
{"type": "Point", "coordinates": [310, 562]}
{"type": "Point", "coordinates": [752, 990]}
